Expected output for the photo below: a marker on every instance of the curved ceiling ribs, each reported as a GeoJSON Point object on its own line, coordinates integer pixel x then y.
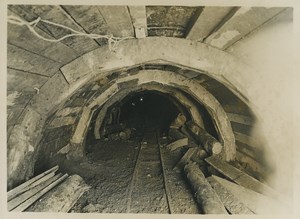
{"type": "Point", "coordinates": [167, 90]}
{"type": "Point", "coordinates": [143, 77]}
{"type": "Point", "coordinates": [196, 64]}
{"type": "Point", "coordinates": [195, 48]}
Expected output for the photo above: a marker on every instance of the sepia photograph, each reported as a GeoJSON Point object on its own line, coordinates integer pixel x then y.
{"type": "Point", "coordinates": [142, 108]}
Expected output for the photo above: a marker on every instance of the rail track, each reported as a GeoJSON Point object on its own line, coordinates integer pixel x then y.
{"type": "Point", "coordinates": [154, 186]}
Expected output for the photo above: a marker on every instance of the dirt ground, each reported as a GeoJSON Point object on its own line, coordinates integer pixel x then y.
{"type": "Point", "coordinates": [127, 177]}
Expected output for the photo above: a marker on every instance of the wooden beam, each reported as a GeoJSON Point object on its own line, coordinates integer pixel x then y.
{"type": "Point", "coordinates": [31, 186]}
{"type": "Point", "coordinates": [18, 80]}
{"type": "Point", "coordinates": [246, 120]}
{"type": "Point", "coordinates": [231, 203]}
{"type": "Point", "coordinates": [245, 139]}
{"type": "Point", "coordinates": [205, 195]}
{"type": "Point", "coordinates": [42, 192]}
{"type": "Point", "coordinates": [175, 134]}
{"type": "Point", "coordinates": [89, 18]}
{"type": "Point", "coordinates": [21, 187]}
{"type": "Point", "coordinates": [139, 20]}
{"type": "Point", "coordinates": [244, 21]}
{"type": "Point", "coordinates": [56, 14]}
{"type": "Point", "coordinates": [210, 144]}
{"type": "Point", "coordinates": [14, 203]}
{"type": "Point", "coordinates": [186, 158]}
{"type": "Point", "coordinates": [256, 202]}
{"type": "Point", "coordinates": [251, 162]}
{"type": "Point", "coordinates": [23, 38]}
{"type": "Point", "coordinates": [240, 177]}
{"type": "Point", "coordinates": [20, 59]}
{"type": "Point", "coordinates": [177, 144]}
{"type": "Point", "coordinates": [206, 21]}
{"type": "Point", "coordinates": [118, 20]}
{"type": "Point", "coordinates": [63, 197]}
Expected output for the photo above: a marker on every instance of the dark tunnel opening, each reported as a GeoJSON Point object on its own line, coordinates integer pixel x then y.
{"type": "Point", "coordinates": [149, 109]}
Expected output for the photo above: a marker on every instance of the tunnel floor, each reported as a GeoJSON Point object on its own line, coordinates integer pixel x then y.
{"type": "Point", "coordinates": [134, 176]}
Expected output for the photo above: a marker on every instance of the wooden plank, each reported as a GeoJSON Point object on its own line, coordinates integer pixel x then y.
{"type": "Point", "coordinates": [45, 100]}
{"type": "Point", "coordinates": [42, 192]}
{"type": "Point", "coordinates": [208, 19]}
{"type": "Point", "coordinates": [90, 19]}
{"type": "Point", "coordinates": [186, 157]}
{"type": "Point", "coordinates": [12, 204]}
{"type": "Point", "coordinates": [68, 111]}
{"type": "Point", "coordinates": [231, 203]}
{"type": "Point", "coordinates": [23, 38]}
{"type": "Point", "coordinates": [240, 177]}
{"type": "Point", "coordinates": [139, 20]}
{"type": "Point", "coordinates": [225, 168]}
{"type": "Point", "coordinates": [18, 80]}
{"type": "Point", "coordinates": [176, 182]}
{"type": "Point", "coordinates": [256, 202]}
{"type": "Point", "coordinates": [17, 99]}
{"type": "Point", "coordinates": [251, 162]}
{"type": "Point", "coordinates": [29, 15]}
{"type": "Point", "coordinates": [245, 139]}
{"type": "Point", "coordinates": [118, 20]}
{"type": "Point", "coordinates": [21, 59]}
{"type": "Point", "coordinates": [246, 120]}
{"type": "Point", "coordinates": [56, 14]}
{"type": "Point", "coordinates": [62, 121]}
{"type": "Point", "coordinates": [63, 197]}
{"type": "Point", "coordinates": [32, 185]}
{"type": "Point", "coordinates": [205, 195]}
{"type": "Point", "coordinates": [28, 182]}
{"type": "Point", "coordinates": [177, 144]}
{"type": "Point", "coordinates": [244, 21]}
{"type": "Point", "coordinates": [175, 134]}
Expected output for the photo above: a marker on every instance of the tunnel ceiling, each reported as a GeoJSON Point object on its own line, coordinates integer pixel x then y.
{"type": "Point", "coordinates": [33, 61]}
{"type": "Point", "coordinates": [45, 79]}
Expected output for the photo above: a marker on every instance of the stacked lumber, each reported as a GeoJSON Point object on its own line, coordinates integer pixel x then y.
{"type": "Point", "coordinates": [25, 195]}
{"type": "Point", "coordinates": [240, 177]}
{"type": "Point", "coordinates": [234, 193]}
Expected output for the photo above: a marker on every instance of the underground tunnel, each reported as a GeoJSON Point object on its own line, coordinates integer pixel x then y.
{"type": "Point", "coordinates": [144, 109]}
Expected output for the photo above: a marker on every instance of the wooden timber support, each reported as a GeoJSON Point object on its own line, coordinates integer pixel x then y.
{"type": "Point", "coordinates": [210, 144]}
{"type": "Point", "coordinates": [30, 183]}
{"type": "Point", "coordinates": [175, 134]}
{"type": "Point", "coordinates": [63, 197]}
{"type": "Point", "coordinates": [241, 177]}
{"type": "Point", "coordinates": [205, 195]}
{"type": "Point", "coordinates": [232, 203]}
{"type": "Point", "coordinates": [23, 206]}
{"type": "Point", "coordinates": [28, 194]}
{"type": "Point", "coordinates": [177, 144]}
{"type": "Point", "coordinates": [186, 158]}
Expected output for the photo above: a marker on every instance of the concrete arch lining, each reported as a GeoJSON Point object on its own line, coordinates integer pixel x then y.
{"type": "Point", "coordinates": [196, 117]}
{"type": "Point", "coordinates": [213, 107]}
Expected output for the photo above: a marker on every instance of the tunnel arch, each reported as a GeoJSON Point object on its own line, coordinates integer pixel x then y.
{"type": "Point", "coordinates": [214, 108]}
{"type": "Point", "coordinates": [196, 117]}
{"type": "Point", "coordinates": [100, 63]}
